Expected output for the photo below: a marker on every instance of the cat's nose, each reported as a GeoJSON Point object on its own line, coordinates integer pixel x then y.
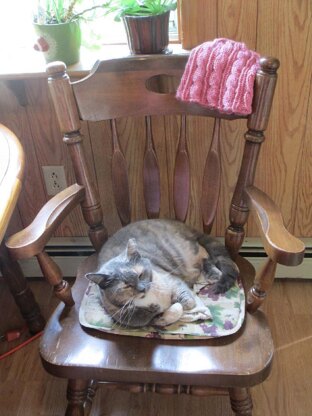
{"type": "Point", "coordinates": [141, 288]}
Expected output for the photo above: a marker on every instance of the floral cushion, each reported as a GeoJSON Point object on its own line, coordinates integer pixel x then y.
{"type": "Point", "coordinates": [227, 310]}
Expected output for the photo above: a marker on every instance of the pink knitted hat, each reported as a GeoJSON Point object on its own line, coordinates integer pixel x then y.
{"type": "Point", "coordinates": [220, 75]}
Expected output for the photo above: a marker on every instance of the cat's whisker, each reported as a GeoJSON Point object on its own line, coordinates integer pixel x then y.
{"type": "Point", "coordinates": [119, 311]}
{"type": "Point", "coordinates": [122, 312]}
{"type": "Point", "coordinates": [131, 311]}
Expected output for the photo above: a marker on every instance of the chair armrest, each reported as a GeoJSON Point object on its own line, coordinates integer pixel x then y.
{"type": "Point", "coordinates": [32, 240]}
{"type": "Point", "coordinates": [281, 246]}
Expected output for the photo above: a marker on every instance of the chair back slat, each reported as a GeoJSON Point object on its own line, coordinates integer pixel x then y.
{"type": "Point", "coordinates": [120, 181]}
{"type": "Point", "coordinates": [211, 180]}
{"type": "Point", "coordinates": [181, 184]}
{"type": "Point", "coordinates": [151, 176]}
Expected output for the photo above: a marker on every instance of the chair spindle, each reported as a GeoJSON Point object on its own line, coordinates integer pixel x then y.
{"type": "Point", "coordinates": [120, 181]}
{"type": "Point", "coordinates": [263, 282]}
{"type": "Point", "coordinates": [257, 122]}
{"type": "Point", "coordinates": [151, 176]}
{"type": "Point", "coordinates": [211, 180]}
{"type": "Point", "coordinates": [181, 184]}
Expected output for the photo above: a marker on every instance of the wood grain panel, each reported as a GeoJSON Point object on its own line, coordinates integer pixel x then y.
{"type": "Point", "coordinates": [284, 30]}
{"type": "Point", "coordinates": [231, 144]}
{"type": "Point", "coordinates": [198, 22]}
{"type": "Point", "coordinates": [101, 142]}
{"type": "Point", "coordinates": [15, 223]}
{"type": "Point", "coordinates": [49, 147]}
{"type": "Point", "coordinates": [303, 217]}
{"type": "Point", "coordinates": [237, 20]}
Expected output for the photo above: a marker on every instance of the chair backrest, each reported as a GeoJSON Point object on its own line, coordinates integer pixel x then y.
{"type": "Point", "coordinates": [151, 166]}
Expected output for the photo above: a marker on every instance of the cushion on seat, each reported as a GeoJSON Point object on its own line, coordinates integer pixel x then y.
{"type": "Point", "coordinates": [227, 311]}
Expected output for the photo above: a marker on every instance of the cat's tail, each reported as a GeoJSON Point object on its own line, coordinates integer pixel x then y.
{"type": "Point", "coordinates": [220, 258]}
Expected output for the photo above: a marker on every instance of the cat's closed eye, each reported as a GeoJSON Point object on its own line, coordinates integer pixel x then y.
{"type": "Point", "coordinates": [127, 286]}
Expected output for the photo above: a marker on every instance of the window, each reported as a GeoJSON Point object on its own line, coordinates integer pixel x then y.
{"type": "Point", "coordinates": [17, 32]}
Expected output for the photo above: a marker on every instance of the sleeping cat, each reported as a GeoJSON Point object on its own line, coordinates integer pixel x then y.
{"type": "Point", "coordinates": [147, 269]}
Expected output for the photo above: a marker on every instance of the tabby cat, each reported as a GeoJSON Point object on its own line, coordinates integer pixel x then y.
{"type": "Point", "coordinates": [147, 269]}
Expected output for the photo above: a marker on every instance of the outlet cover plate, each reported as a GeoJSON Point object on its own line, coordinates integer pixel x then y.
{"type": "Point", "coordinates": [54, 179]}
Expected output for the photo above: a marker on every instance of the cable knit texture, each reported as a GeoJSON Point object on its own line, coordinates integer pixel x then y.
{"type": "Point", "coordinates": [220, 75]}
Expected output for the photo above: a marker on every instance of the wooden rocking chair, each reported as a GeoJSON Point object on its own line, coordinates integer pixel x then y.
{"type": "Point", "coordinates": [152, 176]}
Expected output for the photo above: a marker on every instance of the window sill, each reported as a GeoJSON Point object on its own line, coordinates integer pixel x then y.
{"type": "Point", "coordinates": [27, 63]}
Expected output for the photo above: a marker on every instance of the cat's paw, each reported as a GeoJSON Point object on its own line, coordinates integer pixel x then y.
{"type": "Point", "coordinates": [221, 287]}
{"type": "Point", "coordinates": [211, 273]}
{"type": "Point", "coordinates": [171, 315]}
{"type": "Point", "coordinates": [186, 299]}
{"type": "Point", "coordinates": [188, 304]}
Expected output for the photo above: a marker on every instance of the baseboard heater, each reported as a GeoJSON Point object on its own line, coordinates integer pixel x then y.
{"type": "Point", "coordinates": [69, 252]}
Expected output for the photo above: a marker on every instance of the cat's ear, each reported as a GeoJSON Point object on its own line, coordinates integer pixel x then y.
{"type": "Point", "coordinates": [100, 279]}
{"type": "Point", "coordinates": [132, 250]}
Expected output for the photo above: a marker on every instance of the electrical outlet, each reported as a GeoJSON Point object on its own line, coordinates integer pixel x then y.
{"type": "Point", "coordinates": [54, 178]}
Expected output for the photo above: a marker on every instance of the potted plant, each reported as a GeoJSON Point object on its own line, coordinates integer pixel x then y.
{"type": "Point", "coordinates": [146, 23]}
{"type": "Point", "coordinates": [57, 24]}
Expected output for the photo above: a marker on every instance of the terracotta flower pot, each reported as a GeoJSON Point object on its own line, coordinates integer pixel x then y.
{"type": "Point", "coordinates": [147, 34]}
{"type": "Point", "coordinates": [59, 42]}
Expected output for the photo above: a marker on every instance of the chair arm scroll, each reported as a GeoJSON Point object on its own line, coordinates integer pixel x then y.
{"type": "Point", "coordinates": [32, 240]}
{"type": "Point", "coordinates": [281, 246]}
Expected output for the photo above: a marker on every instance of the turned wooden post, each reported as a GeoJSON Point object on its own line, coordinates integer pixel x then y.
{"type": "Point", "coordinates": [69, 122]}
{"type": "Point", "coordinates": [257, 122]}
{"type": "Point", "coordinates": [241, 401]}
{"type": "Point", "coordinates": [263, 282]}
{"type": "Point", "coordinates": [91, 392]}
{"type": "Point", "coordinates": [77, 394]}
{"type": "Point", "coordinates": [53, 274]}
{"type": "Point", "coordinates": [23, 296]}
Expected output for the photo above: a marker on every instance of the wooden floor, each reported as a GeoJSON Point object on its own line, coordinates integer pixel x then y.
{"type": "Point", "coordinates": [26, 390]}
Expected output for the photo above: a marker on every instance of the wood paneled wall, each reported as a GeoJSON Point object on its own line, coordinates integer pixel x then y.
{"type": "Point", "coordinates": [281, 28]}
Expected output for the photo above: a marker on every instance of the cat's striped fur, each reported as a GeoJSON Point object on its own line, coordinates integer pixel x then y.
{"type": "Point", "coordinates": [147, 268]}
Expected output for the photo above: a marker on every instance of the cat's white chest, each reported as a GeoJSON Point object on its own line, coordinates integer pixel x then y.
{"type": "Point", "coordinates": [160, 293]}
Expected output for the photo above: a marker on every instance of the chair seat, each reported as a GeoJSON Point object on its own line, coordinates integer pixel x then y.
{"type": "Point", "coordinates": [239, 360]}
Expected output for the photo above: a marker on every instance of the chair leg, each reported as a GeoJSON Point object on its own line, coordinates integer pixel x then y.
{"type": "Point", "coordinates": [21, 292]}
{"type": "Point", "coordinates": [241, 401]}
{"type": "Point", "coordinates": [92, 387]}
{"type": "Point", "coordinates": [77, 394]}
